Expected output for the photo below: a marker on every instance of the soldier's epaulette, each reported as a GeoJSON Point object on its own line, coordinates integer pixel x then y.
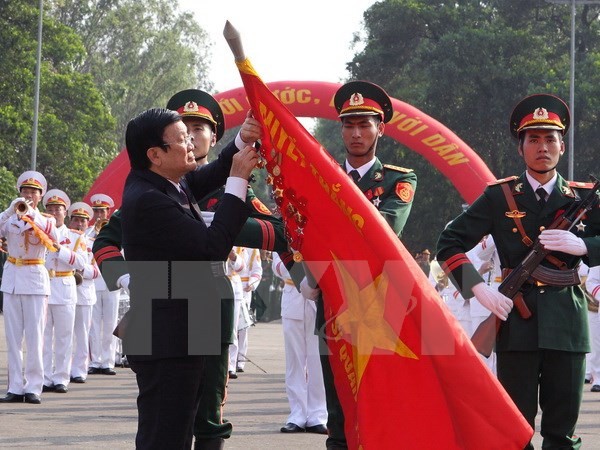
{"type": "Point", "coordinates": [580, 185]}
{"type": "Point", "coordinates": [502, 180]}
{"type": "Point", "coordinates": [397, 168]}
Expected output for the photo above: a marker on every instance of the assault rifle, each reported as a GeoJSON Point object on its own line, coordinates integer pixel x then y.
{"type": "Point", "coordinates": [484, 337]}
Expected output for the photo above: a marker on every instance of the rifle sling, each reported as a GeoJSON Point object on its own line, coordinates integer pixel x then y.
{"type": "Point", "coordinates": [512, 209]}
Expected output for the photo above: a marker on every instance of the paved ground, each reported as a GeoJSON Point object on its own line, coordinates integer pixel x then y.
{"type": "Point", "coordinates": [102, 412]}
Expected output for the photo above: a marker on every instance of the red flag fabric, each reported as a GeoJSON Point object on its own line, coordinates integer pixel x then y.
{"type": "Point", "coordinates": [406, 374]}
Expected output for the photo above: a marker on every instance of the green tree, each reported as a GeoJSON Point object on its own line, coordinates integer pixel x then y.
{"type": "Point", "coordinates": [75, 124]}
{"type": "Point", "coordinates": [138, 52]}
{"type": "Point", "coordinates": [466, 63]}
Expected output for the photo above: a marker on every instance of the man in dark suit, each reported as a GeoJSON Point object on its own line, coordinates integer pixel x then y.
{"type": "Point", "coordinates": [161, 224]}
{"type": "Point", "coordinates": [540, 358]}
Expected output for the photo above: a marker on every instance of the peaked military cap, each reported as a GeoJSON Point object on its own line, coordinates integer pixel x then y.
{"type": "Point", "coordinates": [540, 111]}
{"type": "Point", "coordinates": [33, 179]}
{"type": "Point", "coordinates": [101, 201]}
{"type": "Point", "coordinates": [359, 98]}
{"type": "Point", "coordinates": [197, 103]}
{"type": "Point", "coordinates": [81, 209]}
{"type": "Point", "coordinates": [56, 197]}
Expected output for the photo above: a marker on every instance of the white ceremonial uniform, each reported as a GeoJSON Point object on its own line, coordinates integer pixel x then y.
{"type": "Point", "coordinates": [232, 271]}
{"type": "Point", "coordinates": [251, 275]}
{"type": "Point", "coordinates": [60, 320]}
{"type": "Point", "coordinates": [592, 286]}
{"type": "Point", "coordinates": [86, 298]}
{"type": "Point", "coordinates": [303, 374]}
{"type": "Point", "coordinates": [105, 315]}
{"type": "Point", "coordinates": [485, 251]}
{"type": "Point", "coordinates": [26, 287]}
{"type": "Point", "coordinates": [458, 306]}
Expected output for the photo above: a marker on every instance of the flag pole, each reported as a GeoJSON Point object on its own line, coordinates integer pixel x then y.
{"type": "Point", "coordinates": [233, 38]}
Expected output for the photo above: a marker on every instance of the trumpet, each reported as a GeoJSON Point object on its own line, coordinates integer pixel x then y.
{"type": "Point", "coordinates": [99, 224]}
{"type": "Point", "coordinates": [22, 207]}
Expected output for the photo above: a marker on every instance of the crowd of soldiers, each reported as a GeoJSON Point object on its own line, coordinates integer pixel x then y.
{"type": "Point", "coordinates": [56, 300]}
{"type": "Point", "coordinates": [54, 297]}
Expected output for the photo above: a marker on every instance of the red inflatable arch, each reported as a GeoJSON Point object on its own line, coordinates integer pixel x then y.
{"type": "Point", "coordinates": [409, 126]}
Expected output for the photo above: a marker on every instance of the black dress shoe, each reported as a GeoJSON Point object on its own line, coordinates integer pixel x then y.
{"type": "Point", "coordinates": [108, 371]}
{"type": "Point", "coordinates": [48, 388]}
{"type": "Point", "coordinates": [595, 388]}
{"type": "Point", "coordinates": [232, 375]}
{"type": "Point", "coordinates": [291, 428]}
{"type": "Point", "coordinates": [319, 429]}
{"type": "Point", "coordinates": [60, 388]}
{"type": "Point", "coordinates": [239, 369]}
{"type": "Point", "coordinates": [33, 398]}
{"type": "Point", "coordinates": [12, 398]}
{"type": "Point", "coordinates": [94, 371]}
{"type": "Point", "coordinates": [77, 380]}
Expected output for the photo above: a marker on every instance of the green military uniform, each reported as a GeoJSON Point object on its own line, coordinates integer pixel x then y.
{"type": "Point", "coordinates": [546, 351]}
{"type": "Point", "coordinates": [391, 190]}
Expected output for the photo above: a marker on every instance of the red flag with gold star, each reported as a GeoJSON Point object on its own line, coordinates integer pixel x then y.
{"type": "Point", "coordinates": [406, 374]}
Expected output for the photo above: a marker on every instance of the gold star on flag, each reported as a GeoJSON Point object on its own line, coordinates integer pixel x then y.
{"type": "Point", "coordinates": [364, 320]}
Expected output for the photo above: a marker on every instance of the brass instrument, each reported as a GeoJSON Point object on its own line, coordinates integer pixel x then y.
{"type": "Point", "coordinates": [99, 224]}
{"type": "Point", "coordinates": [22, 207]}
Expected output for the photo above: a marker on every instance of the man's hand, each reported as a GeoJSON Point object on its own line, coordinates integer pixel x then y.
{"type": "Point", "coordinates": [244, 162]}
{"type": "Point", "coordinates": [251, 130]}
{"type": "Point", "coordinates": [307, 291]}
{"type": "Point", "coordinates": [563, 241]}
{"type": "Point", "coordinates": [499, 304]}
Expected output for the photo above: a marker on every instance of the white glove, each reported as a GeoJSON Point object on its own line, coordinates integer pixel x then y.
{"type": "Point", "coordinates": [499, 304]}
{"type": "Point", "coordinates": [123, 283]}
{"type": "Point", "coordinates": [11, 209]}
{"type": "Point", "coordinates": [208, 217]}
{"type": "Point", "coordinates": [307, 291]}
{"type": "Point", "coordinates": [563, 241]}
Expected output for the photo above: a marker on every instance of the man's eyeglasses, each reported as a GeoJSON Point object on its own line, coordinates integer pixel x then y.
{"type": "Point", "coordinates": [186, 142]}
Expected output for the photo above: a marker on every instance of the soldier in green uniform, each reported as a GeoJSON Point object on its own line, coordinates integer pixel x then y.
{"type": "Point", "coordinates": [205, 122]}
{"type": "Point", "coordinates": [545, 354]}
{"type": "Point", "coordinates": [364, 108]}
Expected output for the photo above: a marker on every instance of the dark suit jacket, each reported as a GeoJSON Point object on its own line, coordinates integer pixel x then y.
{"type": "Point", "coordinates": [158, 226]}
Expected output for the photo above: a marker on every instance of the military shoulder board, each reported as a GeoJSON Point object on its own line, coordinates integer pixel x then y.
{"type": "Point", "coordinates": [502, 180]}
{"type": "Point", "coordinates": [397, 168]}
{"type": "Point", "coordinates": [580, 185]}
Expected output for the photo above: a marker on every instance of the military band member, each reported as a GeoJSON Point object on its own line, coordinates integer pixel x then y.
{"type": "Point", "coordinates": [105, 312]}
{"type": "Point", "coordinates": [251, 276]}
{"type": "Point", "coordinates": [545, 354]}
{"type": "Point", "coordinates": [363, 108]}
{"type": "Point", "coordinates": [303, 376]}
{"type": "Point", "coordinates": [235, 264]}
{"type": "Point", "coordinates": [60, 318]}
{"type": "Point", "coordinates": [80, 213]}
{"type": "Point", "coordinates": [29, 235]}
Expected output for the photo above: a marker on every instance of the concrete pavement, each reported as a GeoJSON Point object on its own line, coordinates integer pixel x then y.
{"type": "Point", "coordinates": [102, 412]}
